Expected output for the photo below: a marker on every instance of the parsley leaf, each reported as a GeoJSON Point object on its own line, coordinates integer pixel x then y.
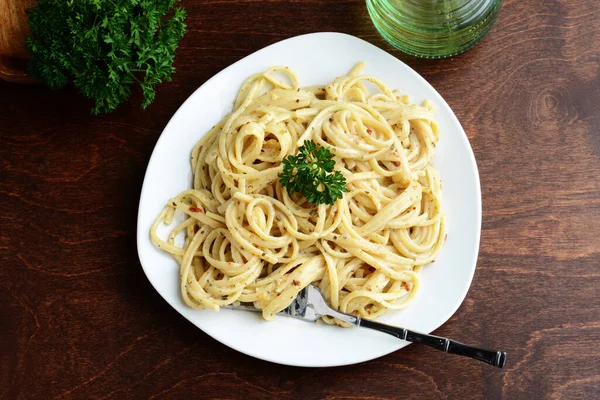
{"type": "Point", "coordinates": [311, 172]}
{"type": "Point", "coordinates": [105, 46]}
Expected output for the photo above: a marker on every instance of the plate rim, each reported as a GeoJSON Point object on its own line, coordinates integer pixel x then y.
{"type": "Point", "coordinates": [142, 235]}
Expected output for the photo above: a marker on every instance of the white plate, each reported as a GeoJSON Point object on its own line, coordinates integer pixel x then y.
{"type": "Point", "coordinates": [317, 59]}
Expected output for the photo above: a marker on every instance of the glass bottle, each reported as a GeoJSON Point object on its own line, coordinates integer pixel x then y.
{"type": "Point", "coordinates": [433, 28]}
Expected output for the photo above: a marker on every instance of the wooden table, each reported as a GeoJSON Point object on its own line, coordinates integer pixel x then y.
{"type": "Point", "coordinates": [79, 320]}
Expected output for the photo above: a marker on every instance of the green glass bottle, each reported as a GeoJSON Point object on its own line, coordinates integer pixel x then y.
{"type": "Point", "coordinates": [433, 28]}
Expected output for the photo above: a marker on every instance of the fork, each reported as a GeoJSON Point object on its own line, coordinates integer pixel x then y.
{"type": "Point", "coordinates": [310, 305]}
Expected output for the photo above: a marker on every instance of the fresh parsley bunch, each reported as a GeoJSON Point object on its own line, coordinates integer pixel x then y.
{"type": "Point", "coordinates": [105, 46]}
{"type": "Point", "coordinates": [311, 172]}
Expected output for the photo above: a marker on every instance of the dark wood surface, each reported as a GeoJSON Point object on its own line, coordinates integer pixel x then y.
{"type": "Point", "coordinates": [79, 320]}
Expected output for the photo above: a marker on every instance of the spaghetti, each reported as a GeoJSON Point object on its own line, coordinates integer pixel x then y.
{"type": "Point", "coordinates": [245, 239]}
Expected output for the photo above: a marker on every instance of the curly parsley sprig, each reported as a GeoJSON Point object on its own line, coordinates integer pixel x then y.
{"type": "Point", "coordinates": [105, 46]}
{"type": "Point", "coordinates": [311, 173]}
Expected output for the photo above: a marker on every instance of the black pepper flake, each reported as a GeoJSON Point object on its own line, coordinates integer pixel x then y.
{"type": "Point", "coordinates": [297, 100]}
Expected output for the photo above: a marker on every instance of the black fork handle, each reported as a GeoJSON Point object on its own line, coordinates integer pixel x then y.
{"type": "Point", "coordinates": [495, 358]}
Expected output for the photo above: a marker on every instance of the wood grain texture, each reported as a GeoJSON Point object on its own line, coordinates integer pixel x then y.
{"type": "Point", "coordinates": [79, 320]}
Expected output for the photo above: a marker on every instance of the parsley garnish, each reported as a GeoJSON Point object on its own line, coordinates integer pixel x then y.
{"type": "Point", "coordinates": [310, 172]}
{"type": "Point", "coordinates": [105, 46]}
